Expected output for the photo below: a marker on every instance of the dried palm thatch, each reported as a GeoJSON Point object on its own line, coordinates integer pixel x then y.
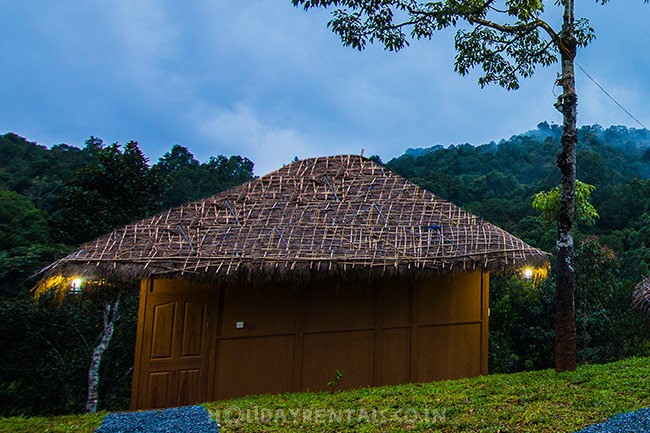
{"type": "Point", "coordinates": [641, 296]}
{"type": "Point", "coordinates": [314, 217]}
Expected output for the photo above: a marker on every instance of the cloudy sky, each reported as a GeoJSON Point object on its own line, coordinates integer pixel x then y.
{"type": "Point", "coordinates": [265, 80]}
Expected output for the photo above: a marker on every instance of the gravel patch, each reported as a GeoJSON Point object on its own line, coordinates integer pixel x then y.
{"type": "Point", "coordinates": [186, 419]}
{"type": "Point", "coordinates": [629, 422]}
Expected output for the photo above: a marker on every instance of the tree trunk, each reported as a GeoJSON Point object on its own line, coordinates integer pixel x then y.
{"type": "Point", "coordinates": [565, 325]}
{"type": "Point", "coordinates": [109, 316]}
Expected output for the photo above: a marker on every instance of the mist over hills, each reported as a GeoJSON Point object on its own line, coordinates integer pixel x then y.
{"type": "Point", "coordinates": [622, 137]}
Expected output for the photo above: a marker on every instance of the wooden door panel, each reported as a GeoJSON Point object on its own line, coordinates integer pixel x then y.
{"type": "Point", "coordinates": [445, 299]}
{"type": "Point", "coordinates": [189, 386]}
{"type": "Point", "coordinates": [352, 353]}
{"type": "Point", "coordinates": [331, 308]}
{"type": "Point", "coordinates": [396, 356]}
{"type": "Point", "coordinates": [159, 389]}
{"type": "Point", "coordinates": [449, 352]}
{"type": "Point", "coordinates": [278, 339]}
{"type": "Point", "coordinates": [254, 366]}
{"type": "Point", "coordinates": [193, 325]}
{"type": "Point", "coordinates": [162, 336]}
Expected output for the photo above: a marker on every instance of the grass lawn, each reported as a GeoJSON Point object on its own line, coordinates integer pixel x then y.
{"type": "Point", "coordinates": [59, 424]}
{"type": "Point", "coordinates": [540, 401]}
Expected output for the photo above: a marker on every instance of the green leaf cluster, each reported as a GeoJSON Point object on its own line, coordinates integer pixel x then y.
{"type": "Point", "coordinates": [548, 204]}
{"type": "Point", "coordinates": [506, 40]}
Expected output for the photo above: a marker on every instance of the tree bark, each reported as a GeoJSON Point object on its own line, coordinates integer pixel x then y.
{"type": "Point", "coordinates": [109, 318]}
{"type": "Point", "coordinates": [565, 326]}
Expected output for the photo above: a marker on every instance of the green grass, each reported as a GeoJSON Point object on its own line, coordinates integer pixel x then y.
{"type": "Point", "coordinates": [540, 401]}
{"type": "Point", "coordinates": [87, 423]}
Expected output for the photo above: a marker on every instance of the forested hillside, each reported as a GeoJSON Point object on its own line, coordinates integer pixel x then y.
{"type": "Point", "coordinates": [53, 199]}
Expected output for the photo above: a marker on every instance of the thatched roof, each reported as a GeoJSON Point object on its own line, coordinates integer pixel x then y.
{"type": "Point", "coordinates": [641, 296]}
{"type": "Point", "coordinates": [312, 217]}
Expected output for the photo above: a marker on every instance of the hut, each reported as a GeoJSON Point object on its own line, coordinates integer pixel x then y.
{"type": "Point", "coordinates": [330, 271]}
{"type": "Point", "coordinates": [641, 296]}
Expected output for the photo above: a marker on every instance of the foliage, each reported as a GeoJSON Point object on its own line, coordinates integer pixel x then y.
{"type": "Point", "coordinates": [548, 204]}
{"type": "Point", "coordinates": [46, 347]}
{"type": "Point", "coordinates": [505, 43]}
{"type": "Point", "coordinates": [521, 321]}
{"type": "Point", "coordinates": [607, 328]}
{"type": "Point", "coordinates": [191, 180]}
{"type": "Point", "coordinates": [336, 381]}
{"type": "Point", "coordinates": [21, 223]}
{"type": "Point", "coordinates": [75, 194]}
{"type": "Point", "coordinates": [51, 343]}
{"type": "Point", "coordinates": [498, 181]}
{"type": "Point", "coordinates": [93, 202]}
{"type": "Point", "coordinates": [46, 353]}
{"type": "Point", "coordinates": [25, 243]}
{"type": "Point", "coordinates": [521, 324]}
{"type": "Point", "coordinates": [36, 172]}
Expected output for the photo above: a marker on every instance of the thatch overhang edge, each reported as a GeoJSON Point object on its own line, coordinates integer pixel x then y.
{"type": "Point", "coordinates": [129, 275]}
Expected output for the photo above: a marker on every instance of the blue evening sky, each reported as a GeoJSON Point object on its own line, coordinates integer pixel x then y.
{"type": "Point", "coordinates": [265, 80]}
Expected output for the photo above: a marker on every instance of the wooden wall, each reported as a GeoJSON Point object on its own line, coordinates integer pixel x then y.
{"type": "Point", "coordinates": [190, 347]}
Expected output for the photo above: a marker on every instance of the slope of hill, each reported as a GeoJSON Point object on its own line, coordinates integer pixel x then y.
{"type": "Point", "coordinates": [541, 401]}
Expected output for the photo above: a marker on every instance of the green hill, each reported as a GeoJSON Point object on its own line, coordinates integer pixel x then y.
{"type": "Point", "coordinates": [540, 401]}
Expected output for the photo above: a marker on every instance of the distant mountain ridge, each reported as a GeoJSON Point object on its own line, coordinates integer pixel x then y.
{"type": "Point", "coordinates": [615, 136]}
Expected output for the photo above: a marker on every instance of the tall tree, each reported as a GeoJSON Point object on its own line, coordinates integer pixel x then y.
{"type": "Point", "coordinates": [191, 180]}
{"type": "Point", "coordinates": [115, 188]}
{"type": "Point", "coordinates": [507, 39]}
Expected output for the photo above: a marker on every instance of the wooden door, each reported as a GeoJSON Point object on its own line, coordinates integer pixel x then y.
{"type": "Point", "coordinates": [173, 336]}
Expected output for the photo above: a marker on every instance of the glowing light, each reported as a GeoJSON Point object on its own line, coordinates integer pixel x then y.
{"type": "Point", "coordinates": [75, 285]}
{"type": "Point", "coordinates": [533, 274]}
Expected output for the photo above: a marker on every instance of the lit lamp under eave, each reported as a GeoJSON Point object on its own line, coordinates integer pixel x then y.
{"type": "Point", "coordinates": [534, 274]}
{"type": "Point", "coordinates": [75, 286]}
